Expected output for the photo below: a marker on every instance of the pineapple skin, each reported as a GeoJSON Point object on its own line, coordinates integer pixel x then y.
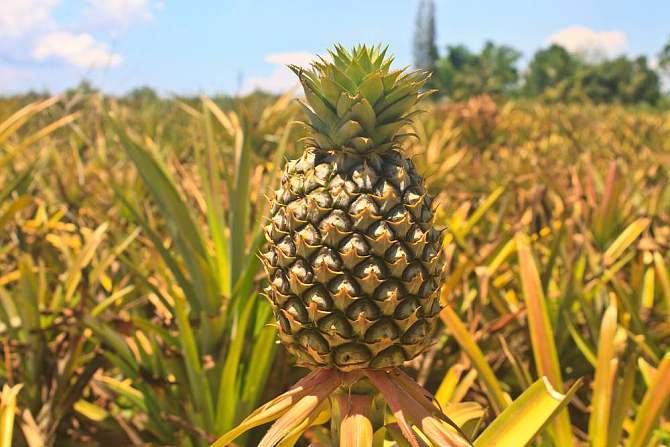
{"type": "Point", "coordinates": [353, 260]}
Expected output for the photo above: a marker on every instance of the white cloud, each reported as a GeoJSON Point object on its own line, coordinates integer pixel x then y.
{"type": "Point", "coordinates": [80, 50]}
{"type": "Point", "coordinates": [120, 12]}
{"type": "Point", "coordinates": [281, 78]}
{"type": "Point", "coordinates": [583, 39]}
{"type": "Point", "coordinates": [19, 17]}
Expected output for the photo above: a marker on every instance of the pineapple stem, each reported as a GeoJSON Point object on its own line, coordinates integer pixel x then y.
{"type": "Point", "coordinates": [351, 419]}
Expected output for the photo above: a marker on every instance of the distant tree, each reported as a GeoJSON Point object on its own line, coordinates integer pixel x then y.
{"type": "Point", "coordinates": [497, 65]}
{"type": "Point", "coordinates": [425, 51]}
{"type": "Point", "coordinates": [84, 88]}
{"type": "Point", "coordinates": [448, 76]}
{"type": "Point", "coordinates": [462, 73]}
{"type": "Point", "coordinates": [550, 70]}
{"type": "Point", "coordinates": [664, 59]}
{"type": "Point", "coordinates": [619, 80]}
{"type": "Point", "coordinates": [143, 94]}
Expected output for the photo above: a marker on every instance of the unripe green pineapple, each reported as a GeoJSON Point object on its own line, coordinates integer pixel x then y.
{"type": "Point", "coordinates": [353, 258]}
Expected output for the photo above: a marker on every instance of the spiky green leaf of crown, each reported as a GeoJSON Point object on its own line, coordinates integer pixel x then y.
{"type": "Point", "coordinates": [356, 102]}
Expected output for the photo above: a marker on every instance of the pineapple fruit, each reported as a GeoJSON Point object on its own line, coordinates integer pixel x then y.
{"type": "Point", "coordinates": [353, 258]}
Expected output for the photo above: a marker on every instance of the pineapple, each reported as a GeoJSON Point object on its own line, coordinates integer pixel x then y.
{"type": "Point", "coordinates": [353, 259]}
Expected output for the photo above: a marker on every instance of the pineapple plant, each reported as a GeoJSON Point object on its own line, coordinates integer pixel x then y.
{"type": "Point", "coordinates": [353, 259]}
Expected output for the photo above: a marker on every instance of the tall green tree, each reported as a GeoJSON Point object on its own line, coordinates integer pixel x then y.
{"type": "Point", "coordinates": [462, 73]}
{"type": "Point", "coordinates": [425, 50]}
{"type": "Point", "coordinates": [550, 70]}
{"type": "Point", "coordinates": [619, 80]}
{"type": "Point", "coordinates": [664, 59]}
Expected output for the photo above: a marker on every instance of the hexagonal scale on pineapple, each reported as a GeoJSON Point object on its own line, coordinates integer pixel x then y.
{"type": "Point", "coordinates": [364, 212]}
{"type": "Point", "coordinates": [350, 355]}
{"type": "Point", "coordinates": [335, 324]}
{"type": "Point", "coordinates": [389, 357]}
{"type": "Point", "coordinates": [397, 259]}
{"type": "Point", "coordinates": [413, 277]}
{"type": "Point", "coordinates": [381, 236]}
{"type": "Point", "coordinates": [386, 196]}
{"type": "Point", "coordinates": [354, 250]}
{"type": "Point", "coordinates": [370, 274]}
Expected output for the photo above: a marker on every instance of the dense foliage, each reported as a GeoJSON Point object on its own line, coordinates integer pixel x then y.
{"type": "Point", "coordinates": [553, 73]}
{"type": "Point", "coordinates": [129, 283]}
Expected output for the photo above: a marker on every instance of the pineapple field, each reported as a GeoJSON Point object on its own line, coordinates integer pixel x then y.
{"type": "Point", "coordinates": [490, 272]}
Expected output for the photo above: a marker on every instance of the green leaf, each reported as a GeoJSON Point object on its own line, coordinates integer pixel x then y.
{"type": "Point", "coordinates": [541, 334]}
{"type": "Point", "coordinates": [229, 382]}
{"type": "Point", "coordinates": [526, 417]}
{"type": "Point", "coordinates": [372, 87]}
{"type": "Point", "coordinates": [458, 330]}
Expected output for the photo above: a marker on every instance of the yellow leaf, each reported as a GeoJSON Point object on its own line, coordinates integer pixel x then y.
{"type": "Point", "coordinates": [525, 418]}
{"type": "Point", "coordinates": [604, 379]}
{"type": "Point", "coordinates": [91, 411]}
{"type": "Point", "coordinates": [654, 404]}
{"type": "Point", "coordinates": [541, 333]}
{"type": "Point", "coordinates": [7, 411]}
{"type": "Point", "coordinates": [625, 239]}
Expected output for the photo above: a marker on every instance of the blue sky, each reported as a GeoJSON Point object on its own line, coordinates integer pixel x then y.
{"type": "Point", "coordinates": [227, 46]}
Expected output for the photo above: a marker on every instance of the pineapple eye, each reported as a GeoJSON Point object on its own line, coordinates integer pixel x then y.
{"type": "Point", "coordinates": [391, 356]}
{"type": "Point", "coordinates": [308, 234]}
{"type": "Point", "coordinates": [297, 212]}
{"type": "Point", "coordinates": [335, 324]}
{"type": "Point", "coordinates": [305, 163]}
{"type": "Point", "coordinates": [364, 308]}
{"type": "Point", "coordinates": [416, 234]}
{"type": "Point", "coordinates": [357, 243]}
{"type": "Point", "coordinates": [336, 220]}
{"type": "Point", "coordinates": [429, 253]}
{"type": "Point", "coordinates": [287, 247]}
{"type": "Point", "coordinates": [398, 214]}
{"type": "Point", "coordinates": [300, 270]}
{"type": "Point", "coordinates": [351, 354]}
{"type": "Point", "coordinates": [390, 290]}
{"type": "Point", "coordinates": [413, 196]}
{"type": "Point", "coordinates": [271, 258]}
{"type": "Point", "coordinates": [429, 287]}
{"type": "Point", "coordinates": [280, 282]}
{"type": "Point", "coordinates": [322, 172]}
{"type": "Point", "coordinates": [386, 196]}
{"type": "Point", "coordinates": [296, 309]}
{"type": "Point", "coordinates": [415, 273]}
{"type": "Point", "coordinates": [380, 230]}
{"type": "Point", "coordinates": [364, 203]}
{"type": "Point", "coordinates": [381, 331]}
{"type": "Point", "coordinates": [397, 175]}
{"type": "Point", "coordinates": [343, 285]}
{"type": "Point", "coordinates": [319, 297]}
{"type": "Point", "coordinates": [364, 177]}
{"type": "Point", "coordinates": [396, 253]}
{"type": "Point", "coordinates": [368, 267]}
{"type": "Point", "coordinates": [297, 185]}
{"type": "Point", "coordinates": [406, 308]}
{"type": "Point", "coordinates": [416, 333]}
{"type": "Point", "coordinates": [279, 221]}
{"type": "Point", "coordinates": [311, 339]}
{"type": "Point", "coordinates": [320, 199]}
{"type": "Point", "coordinates": [327, 257]}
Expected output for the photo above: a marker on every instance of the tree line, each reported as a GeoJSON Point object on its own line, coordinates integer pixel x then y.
{"type": "Point", "coordinates": [553, 73]}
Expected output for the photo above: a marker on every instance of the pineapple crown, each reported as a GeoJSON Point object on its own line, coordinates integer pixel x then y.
{"type": "Point", "coordinates": [356, 103]}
